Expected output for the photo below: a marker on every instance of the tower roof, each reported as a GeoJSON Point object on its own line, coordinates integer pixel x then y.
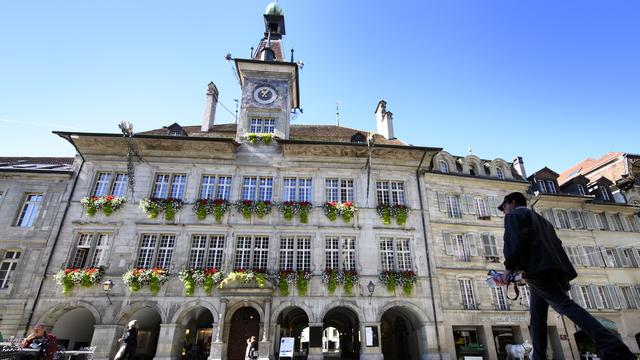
{"type": "Point", "coordinates": [274, 9]}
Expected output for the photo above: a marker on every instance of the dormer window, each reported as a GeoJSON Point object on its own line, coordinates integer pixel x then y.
{"type": "Point", "coordinates": [551, 187]}
{"type": "Point", "coordinates": [499, 174]}
{"type": "Point", "coordinates": [444, 167]}
{"type": "Point", "coordinates": [472, 170]}
{"type": "Point", "coordinates": [541, 186]}
{"type": "Point", "coordinates": [605, 194]}
{"type": "Point", "coordinates": [459, 165]}
{"type": "Point", "coordinates": [262, 125]}
{"type": "Point", "coordinates": [581, 190]}
{"type": "Point", "coordinates": [358, 138]}
{"type": "Point", "coordinates": [175, 133]}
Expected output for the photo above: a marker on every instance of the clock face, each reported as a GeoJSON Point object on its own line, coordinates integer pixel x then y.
{"type": "Point", "coordinates": [265, 95]}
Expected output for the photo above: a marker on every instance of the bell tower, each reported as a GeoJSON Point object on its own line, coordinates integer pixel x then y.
{"type": "Point", "coordinates": [269, 83]}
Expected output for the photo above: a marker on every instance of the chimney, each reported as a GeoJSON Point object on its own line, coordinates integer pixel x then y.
{"type": "Point", "coordinates": [384, 120]}
{"type": "Point", "coordinates": [518, 164]}
{"type": "Point", "coordinates": [210, 108]}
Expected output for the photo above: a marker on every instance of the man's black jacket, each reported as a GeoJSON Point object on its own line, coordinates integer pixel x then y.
{"type": "Point", "coordinates": [531, 245]}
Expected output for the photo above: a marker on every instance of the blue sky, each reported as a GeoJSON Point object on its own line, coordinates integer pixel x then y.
{"type": "Point", "coordinates": [552, 81]}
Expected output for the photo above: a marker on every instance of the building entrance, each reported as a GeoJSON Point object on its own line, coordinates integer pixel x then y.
{"type": "Point", "coordinates": [245, 323]}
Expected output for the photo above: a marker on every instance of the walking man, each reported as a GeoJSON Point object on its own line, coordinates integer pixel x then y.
{"type": "Point", "coordinates": [532, 246]}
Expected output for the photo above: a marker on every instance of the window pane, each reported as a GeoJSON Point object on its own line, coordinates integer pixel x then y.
{"type": "Point", "coordinates": [100, 253]}
{"type": "Point", "coordinates": [386, 254]}
{"type": "Point", "coordinates": [120, 185]}
{"type": "Point", "coordinates": [29, 210]}
{"type": "Point", "coordinates": [165, 251]}
{"type": "Point", "coordinates": [207, 187]}
{"type": "Point", "coordinates": [249, 188]}
{"type": "Point", "coordinates": [103, 180]}
{"type": "Point", "coordinates": [286, 253]}
{"type": "Point", "coordinates": [331, 253]}
{"type": "Point", "coordinates": [216, 252]}
{"type": "Point", "coordinates": [261, 253]}
{"type": "Point", "coordinates": [382, 190]}
{"type": "Point", "coordinates": [161, 186]}
{"type": "Point", "coordinates": [331, 187]}
{"type": "Point", "coordinates": [177, 186]}
{"type": "Point", "coordinates": [397, 192]}
{"type": "Point", "coordinates": [243, 253]}
{"type": "Point", "coordinates": [146, 252]}
{"type": "Point", "coordinates": [224, 187]}
{"type": "Point", "coordinates": [266, 189]}
{"type": "Point", "coordinates": [348, 253]}
{"type": "Point", "coordinates": [303, 253]}
{"type": "Point", "coordinates": [304, 188]}
{"type": "Point", "coordinates": [289, 191]}
{"type": "Point", "coordinates": [403, 254]}
{"type": "Point", "coordinates": [198, 250]}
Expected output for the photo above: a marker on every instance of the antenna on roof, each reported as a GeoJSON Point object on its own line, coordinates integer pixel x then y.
{"type": "Point", "coordinates": [292, 55]}
{"type": "Point", "coordinates": [469, 150]}
{"type": "Point", "coordinates": [338, 112]}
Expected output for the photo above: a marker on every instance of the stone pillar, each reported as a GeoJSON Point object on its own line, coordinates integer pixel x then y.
{"type": "Point", "coordinates": [490, 344]}
{"type": "Point", "coordinates": [265, 344]}
{"type": "Point", "coordinates": [217, 346]}
{"type": "Point", "coordinates": [373, 352]}
{"type": "Point", "coordinates": [315, 341]}
{"type": "Point", "coordinates": [169, 342]}
{"type": "Point", "coordinates": [105, 339]}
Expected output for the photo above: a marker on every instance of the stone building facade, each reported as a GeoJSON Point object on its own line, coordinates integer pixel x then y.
{"type": "Point", "coordinates": [466, 240]}
{"type": "Point", "coordinates": [262, 158]}
{"type": "Point", "coordinates": [32, 200]}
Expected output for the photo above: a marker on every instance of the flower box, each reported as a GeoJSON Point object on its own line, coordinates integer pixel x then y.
{"type": "Point", "coordinates": [207, 279]}
{"type": "Point", "coordinates": [135, 279]}
{"type": "Point", "coordinates": [348, 279]}
{"type": "Point", "coordinates": [70, 278]}
{"type": "Point", "coordinates": [107, 204]}
{"type": "Point", "coordinates": [217, 207]}
{"type": "Point", "coordinates": [397, 211]}
{"type": "Point", "coordinates": [254, 138]}
{"type": "Point", "coordinates": [245, 277]}
{"type": "Point", "coordinates": [334, 209]}
{"type": "Point", "coordinates": [406, 279]}
{"type": "Point", "coordinates": [291, 208]}
{"type": "Point", "coordinates": [154, 206]}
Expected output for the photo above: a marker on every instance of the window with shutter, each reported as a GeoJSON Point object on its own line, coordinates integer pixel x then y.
{"type": "Point", "coordinates": [607, 254]}
{"type": "Point", "coordinates": [604, 302]}
{"type": "Point", "coordinates": [549, 215]}
{"type": "Point", "coordinates": [471, 244]}
{"type": "Point", "coordinates": [490, 249]}
{"type": "Point", "coordinates": [563, 219]}
{"type": "Point", "coordinates": [596, 296]}
{"type": "Point", "coordinates": [578, 220]}
{"type": "Point", "coordinates": [586, 296]}
{"type": "Point", "coordinates": [481, 208]}
{"type": "Point", "coordinates": [629, 297]}
{"type": "Point", "coordinates": [493, 206]}
{"type": "Point", "coordinates": [589, 219]}
{"type": "Point", "coordinates": [453, 206]}
{"type": "Point", "coordinates": [442, 202]}
{"type": "Point", "coordinates": [613, 294]}
{"type": "Point", "coordinates": [498, 295]}
{"type": "Point", "coordinates": [623, 302]}
{"type": "Point", "coordinates": [467, 296]}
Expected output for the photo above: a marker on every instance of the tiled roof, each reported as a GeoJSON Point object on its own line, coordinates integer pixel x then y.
{"type": "Point", "coordinates": [36, 163]}
{"type": "Point", "coordinates": [585, 166]}
{"type": "Point", "coordinates": [330, 133]}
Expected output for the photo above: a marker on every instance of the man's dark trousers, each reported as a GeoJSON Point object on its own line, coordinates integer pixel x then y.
{"type": "Point", "coordinates": [551, 290]}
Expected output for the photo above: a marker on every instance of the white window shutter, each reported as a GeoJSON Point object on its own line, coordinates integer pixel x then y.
{"type": "Point", "coordinates": [470, 239]}
{"type": "Point", "coordinates": [609, 262]}
{"type": "Point", "coordinates": [625, 224]}
{"type": "Point", "coordinates": [584, 256]}
{"type": "Point", "coordinates": [623, 302]}
{"type": "Point", "coordinates": [479, 245]}
{"type": "Point", "coordinates": [465, 203]}
{"type": "Point", "coordinates": [633, 303]}
{"type": "Point", "coordinates": [596, 296]}
{"type": "Point", "coordinates": [557, 220]}
{"type": "Point", "coordinates": [592, 298]}
{"type": "Point", "coordinates": [493, 206]}
{"type": "Point", "coordinates": [612, 223]}
{"type": "Point", "coordinates": [472, 204]}
{"type": "Point", "coordinates": [590, 220]}
{"type": "Point", "coordinates": [575, 295]}
{"type": "Point", "coordinates": [599, 256]}
{"type": "Point", "coordinates": [442, 201]}
{"type": "Point", "coordinates": [448, 245]}
{"type": "Point", "coordinates": [572, 221]}
{"type": "Point", "coordinates": [636, 292]}
{"type": "Point", "coordinates": [615, 300]}
{"type": "Point", "coordinates": [635, 257]}
{"type": "Point", "coordinates": [637, 220]}
{"type": "Point", "coordinates": [623, 260]}
{"type": "Point", "coordinates": [486, 244]}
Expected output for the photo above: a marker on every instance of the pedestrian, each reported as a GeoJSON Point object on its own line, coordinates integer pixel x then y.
{"type": "Point", "coordinates": [532, 246]}
{"type": "Point", "coordinates": [128, 342]}
{"type": "Point", "coordinates": [252, 349]}
{"type": "Point", "coordinates": [40, 339]}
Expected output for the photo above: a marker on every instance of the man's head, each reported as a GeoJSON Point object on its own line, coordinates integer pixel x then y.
{"type": "Point", "coordinates": [39, 329]}
{"type": "Point", "coordinates": [133, 324]}
{"type": "Point", "coordinates": [512, 201]}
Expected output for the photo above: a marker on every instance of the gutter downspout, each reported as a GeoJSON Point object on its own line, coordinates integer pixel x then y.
{"type": "Point", "coordinates": [426, 245]}
{"type": "Point", "coordinates": [55, 240]}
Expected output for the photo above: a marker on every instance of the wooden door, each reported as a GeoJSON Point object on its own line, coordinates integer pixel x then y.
{"type": "Point", "coordinates": [244, 324]}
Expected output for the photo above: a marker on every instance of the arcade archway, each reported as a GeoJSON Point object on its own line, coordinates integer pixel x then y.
{"type": "Point", "coordinates": [400, 335]}
{"type": "Point", "coordinates": [245, 323]}
{"type": "Point", "coordinates": [149, 321]}
{"type": "Point", "coordinates": [198, 333]}
{"type": "Point", "coordinates": [294, 322]}
{"type": "Point", "coordinates": [347, 324]}
{"type": "Point", "coordinates": [74, 329]}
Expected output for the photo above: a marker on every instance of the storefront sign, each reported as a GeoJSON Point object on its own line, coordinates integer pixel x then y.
{"type": "Point", "coordinates": [371, 336]}
{"type": "Point", "coordinates": [506, 319]}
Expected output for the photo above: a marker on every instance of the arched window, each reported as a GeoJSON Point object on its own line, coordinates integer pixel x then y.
{"type": "Point", "coordinates": [444, 167]}
{"type": "Point", "coordinates": [500, 173]}
{"type": "Point", "coordinates": [358, 138]}
{"type": "Point", "coordinates": [472, 170]}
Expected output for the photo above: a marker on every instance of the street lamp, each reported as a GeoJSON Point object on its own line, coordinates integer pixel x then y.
{"type": "Point", "coordinates": [371, 287]}
{"type": "Point", "coordinates": [107, 286]}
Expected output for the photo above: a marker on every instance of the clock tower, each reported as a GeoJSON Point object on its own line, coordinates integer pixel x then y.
{"type": "Point", "coordinates": [269, 82]}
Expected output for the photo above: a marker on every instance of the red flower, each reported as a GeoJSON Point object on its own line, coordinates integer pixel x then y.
{"type": "Point", "coordinates": [348, 204]}
{"type": "Point", "coordinates": [219, 201]}
{"type": "Point", "coordinates": [109, 198]}
{"type": "Point", "coordinates": [247, 202]}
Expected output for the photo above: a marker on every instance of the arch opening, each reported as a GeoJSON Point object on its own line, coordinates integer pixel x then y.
{"type": "Point", "coordinates": [347, 324]}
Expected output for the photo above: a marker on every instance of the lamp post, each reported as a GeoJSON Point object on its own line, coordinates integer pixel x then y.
{"type": "Point", "coordinates": [107, 286]}
{"type": "Point", "coordinates": [371, 287]}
